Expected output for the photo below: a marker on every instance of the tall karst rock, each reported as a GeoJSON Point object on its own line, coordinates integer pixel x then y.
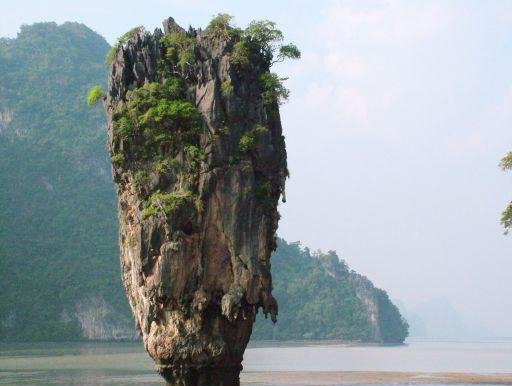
{"type": "Point", "coordinates": [199, 161]}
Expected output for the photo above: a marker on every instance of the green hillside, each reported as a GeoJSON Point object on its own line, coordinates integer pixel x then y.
{"type": "Point", "coordinates": [320, 298]}
{"type": "Point", "coordinates": [58, 236]}
{"type": "Point", "coordinates": [59, 269]}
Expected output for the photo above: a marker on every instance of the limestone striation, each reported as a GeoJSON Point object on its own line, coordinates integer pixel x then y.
{"type": "Point", "coordinates": [199, 161]}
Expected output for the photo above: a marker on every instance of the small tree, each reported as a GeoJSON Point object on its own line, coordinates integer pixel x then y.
{"type": "Point", "coordinates": [94, 95]}
{"type": "Point", "coordinates": [288, 51]}
{"type": "Point", "coordinates": [220, 27]}
{"type": "Point", "coordinates": [506, 216]}
{"type": "Point", "coordinates": [506, 162]}
{"type": "Point", "coordinates": [265, 35]}
{"type": "Point", "coordinates": [240, 56]}
{"type": "Point", "coordinates": [179, 50]}
{"type": "Point", "coordinates": [273, 89]}
{"type": "Point", "coordinates": [260, 36]}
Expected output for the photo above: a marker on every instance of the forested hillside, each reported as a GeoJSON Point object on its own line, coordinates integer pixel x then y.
{"type": "Point", "coordinates": [59, 269]}
{"type": "Point", "coordinates": [320, 298]}
{"type": "Point", "coordinates": [58, 236]}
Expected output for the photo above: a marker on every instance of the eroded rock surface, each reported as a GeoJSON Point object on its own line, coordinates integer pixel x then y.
{"type": "Point", "coordinates": [197, 197]}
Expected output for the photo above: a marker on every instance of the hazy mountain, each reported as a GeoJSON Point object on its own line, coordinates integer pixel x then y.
{"type": "Point", "coordinates": [438, 319]}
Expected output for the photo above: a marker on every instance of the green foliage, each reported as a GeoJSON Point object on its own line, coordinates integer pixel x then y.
{"type": "Point", "coordinates": [167, 203]}
{"type": "Point", "coordinates": [288, 51]}
{"type": "Point", "coordinates": [247, 142]}
{"type": "Point", "coordinates": [155, 124]}
{"type": "Point", "coordinates": [317, 300]}
{"type": "Point", "coordinates": [506, 162]}
{"type": "Point", "coordinates": [174, 113]}
{"type": "Point", "coordinates": [249, 139]}
{"type": "Point", "coordinates": [58, 223]}
{"type": "Point", "coordinates": [157, 128]}
{"type": "Point", "coordinates": [166, 165]}
{"type": "Point", "coordinates": [141, 178]}
{"type": "Point", "coordinates": [226, 89]}
{"type": "Point", "coordinates": [157, 119]}
{"type": "Point", "coordinates": [122, 40]}
{"type": "Point", "coordinates": [117, 159]}
{"type": "Point", "coordinates": [265, 37]}
{"type": "Point", "coordinates": [179, 50]}
{"type": "Point", "coordinates": [273, 90]}
{"type": "Point", "coordinates": [220, 27]}
{"type": "Point", "coordinates": [123, 128]}
{"type": "Point", "coordinates": [261, 37]}
{"type": "Point", "coordinates": [260, 41]}
{"type": "Point", "coordinates": [259, 130]}
{"type": "Point", "coordinates": [506, 216]}
{"type": "Point", "coordinates": [264, 33]}
{"type": "Point", "coordinates": [94, 95]}
{"type": "Point", "coordinates": [240, 56]}
{"type": "Point", "coordinates": [193, 154]}
{"type": "Point", "coordinates": [185, 59]}
{"type": "Point", "coordinates": [149, 211]}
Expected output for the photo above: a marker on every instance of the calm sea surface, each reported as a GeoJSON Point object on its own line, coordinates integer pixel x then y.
{"type": "Point", "coordinates": [117, 364]}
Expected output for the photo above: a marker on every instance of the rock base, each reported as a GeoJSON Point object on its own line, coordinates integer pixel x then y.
{"type": "Point", "coordinates": [209, 376]}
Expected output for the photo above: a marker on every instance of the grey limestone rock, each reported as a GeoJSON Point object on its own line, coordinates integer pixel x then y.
{"type": "Point", "coordinates": [197, 269]}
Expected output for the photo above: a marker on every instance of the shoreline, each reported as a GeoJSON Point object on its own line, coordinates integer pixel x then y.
{"type": "Point", "coordinates": [328, 378]}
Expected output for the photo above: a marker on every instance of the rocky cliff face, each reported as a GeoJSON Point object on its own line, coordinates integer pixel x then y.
{"type": "Point", "coordinates": [199, 161]}
{"type": "Point", "coordinates": [387, 325]}
{"type": "Point", "coordinates": [365, 292]}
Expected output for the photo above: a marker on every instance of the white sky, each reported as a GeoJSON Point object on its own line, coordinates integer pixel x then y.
{"type": "Point", "coordinates": [399, 114]}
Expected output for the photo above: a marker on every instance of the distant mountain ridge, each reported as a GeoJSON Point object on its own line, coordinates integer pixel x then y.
{"type": "Point", "coordinates": [59, 269]}
{"type": "Point", "coordinates": [438, 319]}
{"type": "Point", "coordinates": [321, 298]}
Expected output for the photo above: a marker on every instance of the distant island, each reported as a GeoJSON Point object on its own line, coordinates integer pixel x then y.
{"type": "Point", "coordinates": [59, 269]}
{"type": "Point", "coordinates": [321, 298]}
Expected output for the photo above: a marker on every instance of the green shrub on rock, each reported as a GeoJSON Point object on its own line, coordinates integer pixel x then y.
{"type": "Point", "coordinates": [226, 89]}
{"type": "Point", "coordinates": [94, 95]}
{"type": "Point", "coordinates": [166, 202]}
{"type": "Point", "coordinates": [179, 50]}
{"type": "Point", "coordinates": [506, 216]}
{"type": "Point", "coordinates": [220, 27]}
{"type": "Point", "coordinates": [240, 56]}
{"type": "Point", "coordinates": [249, 139]}
{"type": "Point", "coordinates": [273, 90]}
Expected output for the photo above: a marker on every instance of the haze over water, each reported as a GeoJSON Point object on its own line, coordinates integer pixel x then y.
{"type": "Point", "coordinates": [119, 364]}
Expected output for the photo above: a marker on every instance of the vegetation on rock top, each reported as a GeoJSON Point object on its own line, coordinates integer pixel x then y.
{"type": "Point", "coordinates": [157, 127]}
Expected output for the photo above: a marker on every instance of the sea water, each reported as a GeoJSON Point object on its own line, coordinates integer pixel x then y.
{"type": "Point", "coordinates": [119, 364]}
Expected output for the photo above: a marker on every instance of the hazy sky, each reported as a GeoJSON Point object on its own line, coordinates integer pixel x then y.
{"type": "Point", "coordinates": [399, 114]}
